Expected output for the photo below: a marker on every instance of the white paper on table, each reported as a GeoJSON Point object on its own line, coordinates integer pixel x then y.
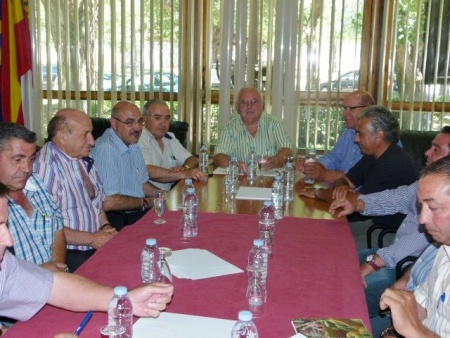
{"type": "Point", "coordinates": [198, 264]}
{"type": "Point", "coordinates": [173, 325]}
{"type": "Point", "coordinates": [254, 193]}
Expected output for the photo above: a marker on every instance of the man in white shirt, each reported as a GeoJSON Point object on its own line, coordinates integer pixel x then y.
{"type": "Point", "coordinates": [166, 159]}
{"type": "Point", "coordinates": [426, 312]}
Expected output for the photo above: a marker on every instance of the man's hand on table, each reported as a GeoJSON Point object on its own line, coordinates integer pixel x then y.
{"type": "Point", "coordinates": [149, 300]}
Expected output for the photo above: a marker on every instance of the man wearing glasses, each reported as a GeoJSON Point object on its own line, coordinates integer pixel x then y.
{"type": "Point", "coordinates": [346, 151]}
{"type": "Point", "coordinates": [252, 128]}
{"type": "Point", "coordinates": [121, 166]}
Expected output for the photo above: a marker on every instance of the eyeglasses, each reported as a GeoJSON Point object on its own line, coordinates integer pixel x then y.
{"type": "Point", "coordinates": [352, 107]}
{"type": "Point", "coordinates": [251, 103]}
{"type": "Point", "coordinates": [131, 122]}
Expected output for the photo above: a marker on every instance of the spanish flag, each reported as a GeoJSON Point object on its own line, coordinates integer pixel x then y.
{"type": "Point", "coordinates": [15, 57]}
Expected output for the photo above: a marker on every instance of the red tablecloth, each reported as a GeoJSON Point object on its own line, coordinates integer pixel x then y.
{"type": "Point", "coordinates": [314, 272]}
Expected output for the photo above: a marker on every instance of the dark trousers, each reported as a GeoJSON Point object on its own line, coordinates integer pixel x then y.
{"type": "Point", "coordinates": [75, 258]}
{"type": "Point", "coordinates": [120, 219]}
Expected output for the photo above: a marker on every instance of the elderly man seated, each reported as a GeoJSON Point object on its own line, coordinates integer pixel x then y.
{"type": "Point", "coordinates": [252, 128]}
{"type": "Point", "coordinates": [166, 159]}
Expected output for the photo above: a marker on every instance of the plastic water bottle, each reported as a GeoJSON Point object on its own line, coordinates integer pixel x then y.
{"type": "Point", "coordinates": [267, 218]}
{"type": "Point", "coordinates": [120, 311]}
{"type": "Point", "coordinates": [244, 327]}
{"type": "Point", "coordinates": [289, 182]}
{"type": "Point", "coordinates": [258, 263]}
{"type": "Point", "coordinates": [278, 196]}
{"type": "Point", "coordinates": [150, 257]}
{"type": "Point", "coordinates": [191, 210]}
{"type": "Point", "coordinates": [187, 184]}
{"type": "Point", "coordinates": [204, 159]}
{"type": "Point", "coordinates": [234, 168]}
{"type": "Point", "coordinates": [252, 164]}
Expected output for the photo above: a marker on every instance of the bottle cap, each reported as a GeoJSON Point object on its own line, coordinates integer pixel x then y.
{"type": "Point", "coordinates": [150, 241]}
{"type": "Point", "coordinates": [245, 316]}
{"type": "Point", "coordinates": [278, 177]}
{"type": "Point", "coordinates": [188, 181]}
{"type": "Point", "coordinates": [267, 203]}
{"type": "Point", "coordinates": [289, 164]}
{"type": "Point", "coordinates": [191, 190]}
{"type": "Point", "coordinates": [120, 290]}
{"type": "Point", "coordinates": [258, 242]}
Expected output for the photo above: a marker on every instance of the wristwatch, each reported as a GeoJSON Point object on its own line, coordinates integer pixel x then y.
{"type": "Point", "coordinates": [370, 259]}
{"type": "Point", "coordinates": [145, 205]}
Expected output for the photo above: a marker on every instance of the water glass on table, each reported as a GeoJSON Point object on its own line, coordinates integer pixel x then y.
{"type": "Point", "coordinates": [159, 204]}
{"type": "Point", "coordinates": [310, 157]}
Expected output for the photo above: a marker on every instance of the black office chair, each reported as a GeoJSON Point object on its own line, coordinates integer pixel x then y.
{"type": "Point", "coordinates": [402, 265]}
{"type": "Point", "coordinates": [387, 224]}
{"type": "Point", "coordinates": [384, 230]}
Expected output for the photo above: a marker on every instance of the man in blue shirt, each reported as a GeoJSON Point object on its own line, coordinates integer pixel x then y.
{"type": "Point", "coordinates": [121, 165]}
{"type": "Point", "coordinates": [346, 152]}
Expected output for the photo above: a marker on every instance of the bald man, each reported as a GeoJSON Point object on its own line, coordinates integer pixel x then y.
{"type": "Point", "coordinates": [121, 164]}
{"type": "Point", "coordinates": [346, 152]}
{"type": "Point", "coordinates": [71, 176]}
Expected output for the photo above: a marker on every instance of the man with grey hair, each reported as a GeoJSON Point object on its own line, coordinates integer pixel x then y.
{"type": "Point", "coordinates": [384, 165]}
{"type": "Point", "coordinates": [166, 159]}
{"type": "Point", "coordinates": [252, 128]}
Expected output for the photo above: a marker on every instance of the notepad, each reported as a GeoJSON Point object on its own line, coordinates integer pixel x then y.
{"type": "Point", "coordinates": [173, 325]}
{"type": "Point", "coordinates": [254, 193]}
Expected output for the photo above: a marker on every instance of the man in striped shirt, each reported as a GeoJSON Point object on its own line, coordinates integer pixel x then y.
{"type": "Point", "coordinates": [35, 220]}
{"type": "Point", "coordinates": [69, 173]}
{"type": "Point", "coordinates": [426, 312]}
{"type": "Point", "coordinates": [252, 128]}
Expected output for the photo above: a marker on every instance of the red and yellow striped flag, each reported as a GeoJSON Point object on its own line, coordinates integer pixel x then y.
{"type": "Point", "coordinates": [15, 57]}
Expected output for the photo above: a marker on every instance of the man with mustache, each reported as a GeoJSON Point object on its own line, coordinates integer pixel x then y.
{"type": "Point", "coordinates": [25, 287]}
{"type": "Point", "coordinates": [166, 159]}
{"type": "Point", "coordinates": [122, 168]}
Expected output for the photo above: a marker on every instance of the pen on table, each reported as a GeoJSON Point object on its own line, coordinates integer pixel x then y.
{"type": "Point", "coordinates": [84, 322]}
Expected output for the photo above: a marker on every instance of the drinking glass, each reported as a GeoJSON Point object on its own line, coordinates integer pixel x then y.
{"type": "Point", "coordinates": [310, 157]}
{"type": "Point", "coordinates": [262, 159]}
{"type": "Point", "coordinates": [166, 275]}
{"type": "Point", "coordinates": [112, 331]}
{"type": "Point", "coordinates": [255, 295]}
{"type": "Point", "coordinates": [159, 204]}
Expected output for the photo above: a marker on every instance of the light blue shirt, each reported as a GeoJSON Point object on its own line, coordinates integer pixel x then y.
{"type": "Point", "coordinates": [410, 239]}
{"type": "Point", "coordinates": [344, 155]}
{"type": "Point", "coordinates": [121, 167]}
{"type": "Point", "coordinates": [34, 235]}
{"type": "Point", "coordinates": [422, 267]}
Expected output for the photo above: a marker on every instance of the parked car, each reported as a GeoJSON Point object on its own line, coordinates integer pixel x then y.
{"type": "Point", "coordinates": [107, 81]}
{"type": "Point", "coordinates": [53, 76]}
{"type": "Point", "coordinates": [346, 82]}
{"type": "Point", "coordinates": [159, 83]}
